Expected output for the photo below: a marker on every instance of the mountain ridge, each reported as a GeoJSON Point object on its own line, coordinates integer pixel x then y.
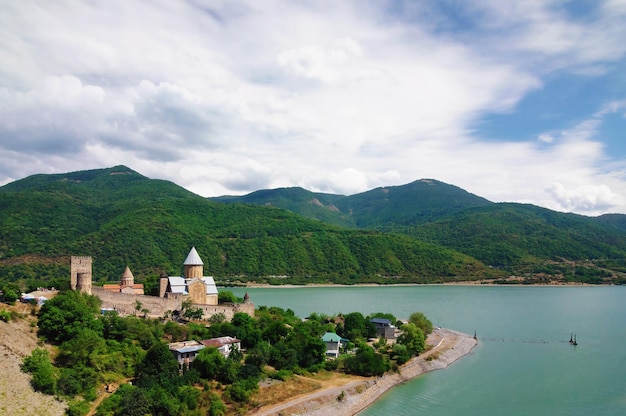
{"type": "Point", "coordinates": [123, 218]}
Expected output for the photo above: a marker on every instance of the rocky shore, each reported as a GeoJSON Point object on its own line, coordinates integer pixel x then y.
{"type": "Point", "coordinates": [350, 399]}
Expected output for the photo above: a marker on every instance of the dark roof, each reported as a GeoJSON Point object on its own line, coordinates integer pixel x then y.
{"type": "Point", "coordinates": [381, 321]}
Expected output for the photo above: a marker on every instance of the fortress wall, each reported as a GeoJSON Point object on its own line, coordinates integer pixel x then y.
{"type": "Point", "coordinates": [228, 310]}
{"type": "Point", "coordinates": [125, 303]}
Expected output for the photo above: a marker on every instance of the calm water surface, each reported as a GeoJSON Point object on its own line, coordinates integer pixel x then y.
{"type": "Point", "coordinates": [523, 365]}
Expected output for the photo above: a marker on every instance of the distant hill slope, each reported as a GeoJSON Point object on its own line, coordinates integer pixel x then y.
{"type": "Point", "coordinates": [617, 221]}
{"type": "Point", "coordinates": [414, 203]}
{"type": "Point", "coordinates": [123, 218]}
{"type": "Point", "coordinates": [319, 206]}
{"type": "Point", "coordinates": [510, 234]}
{"type": "Point", "coordinates": [503, 235]}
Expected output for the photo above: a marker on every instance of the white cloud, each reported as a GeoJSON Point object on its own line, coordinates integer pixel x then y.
{"type": "Point", "coordinates": [584, 198]}
{"type": "Point", "coordinates": [229, 97]}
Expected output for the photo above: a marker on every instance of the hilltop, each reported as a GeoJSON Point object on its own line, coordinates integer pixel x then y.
{"type": "Point", "coordinates": [518, 238]}
{"type": "Point", "coordinates": [121, 218]}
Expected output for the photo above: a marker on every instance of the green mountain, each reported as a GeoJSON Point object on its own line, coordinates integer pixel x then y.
{"type": "Point", "coordinates": [308, 204]}
{"type": "Point", "coordinates": [517, 237]}
{"type": "Point", "coordinates": [617, 221]}
{"type": "Point", "coordinates": [418, 202]}
{"type": "Point", "coordinates": [387, 208]}
{"type": "Point", "coordinates": [123, 218]}
{"type": "Point", "coordinates": [510, 234]}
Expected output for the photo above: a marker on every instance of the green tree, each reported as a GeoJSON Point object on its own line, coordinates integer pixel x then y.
{"type": "Point", "coordinates": [64, 316]}
{"type": "Point", "coordinates": [217, 406]}
{"type": "Point", "coordinates": [260, 354]}
{"type": "Point", "coordinates": [357, 326]}
{"type": "Point", "coordinates": [10, 292]}
{"type": "Point", "coordinates": [193, 313]}
{"type": "Point", "coordinates": [209, 363]}
{"type": "Point", "coordinates": [366, 362]}
{"type": "Point", "coordinates": [135, 402]}
{"type": "Point", "coordinates": [400, 354]}
{"type": "Point", "coordinates": [217, 318]}
{"type": "Point", "coordinates": [247, 329]}
{"type": "Point", "coordinates": [419, 320]}
{"type": "Point", "coordinates": [225, 296]}
{"type": "Point", "coordinates": [412, 338]}
{"type": "Point", "coordinates": [44, 377]}
{"type": "Point", "coordinates": [241, 390]}
{"type": "Point", "coordinates": [158, 367]}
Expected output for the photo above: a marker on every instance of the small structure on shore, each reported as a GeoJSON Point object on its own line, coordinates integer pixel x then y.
{"type": "Point", "coordinates": [384, 328]}
{"type": "Point", "coordinates": [334, 344]}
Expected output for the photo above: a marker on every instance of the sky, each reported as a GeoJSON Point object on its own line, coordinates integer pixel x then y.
{"type": "Point", "coordinates": [514, 101]}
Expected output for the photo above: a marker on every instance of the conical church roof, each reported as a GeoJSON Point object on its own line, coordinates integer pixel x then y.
{"type": "Point", "coordinates": [193, 258]}
{"type": "Point", "coordinates": [127, 273]}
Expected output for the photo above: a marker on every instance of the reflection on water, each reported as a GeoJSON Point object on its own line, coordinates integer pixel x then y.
{"type": "Point", "coordinates": [524, 363]}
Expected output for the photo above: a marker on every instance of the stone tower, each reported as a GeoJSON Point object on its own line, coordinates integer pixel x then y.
{"type": "Point", "coordinates": [193, 265]}
{"type": "Point", "coordinates": [83, 283]}
{"type": "Point", "coordinates": [163, 280]}
{"type": "Point", "coordinates": [80, 273]}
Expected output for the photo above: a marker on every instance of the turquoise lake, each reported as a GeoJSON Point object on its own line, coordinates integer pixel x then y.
{"type": "Point", "coordinates": [524, 363]}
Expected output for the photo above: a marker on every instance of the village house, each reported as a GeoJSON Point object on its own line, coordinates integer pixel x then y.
{"type": "Point", "coordinates": [223, 344]}
{"type": "Point", "coordinates": [334, 344]}
{"type": "Point", "coordinates": [185, 352]}
{"type": "Point", "coordinates": [384, 328]}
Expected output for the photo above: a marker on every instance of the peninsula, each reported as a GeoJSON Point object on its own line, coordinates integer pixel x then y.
{"type": "Point", "coordinates": [445, 347]}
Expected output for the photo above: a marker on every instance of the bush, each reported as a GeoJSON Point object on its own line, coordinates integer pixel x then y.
{"type": "Point", "coordinates": [38, 364]}
{"type": "Point", "coordinates": [366, 362]}
{"type": "Point", "coordinates": [78, 408]}
{"type": "Point", "coordinates": [5, 315]}
{"type": "Point", "coordinates": [282, 375]}
{"type": "Point", "coordinates": [241, 391]}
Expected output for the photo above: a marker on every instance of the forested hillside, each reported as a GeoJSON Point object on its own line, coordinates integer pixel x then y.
{"type": "Point", "coordinates": [518, 238]}
{"type": "Point", "coordinates": [123, 218]}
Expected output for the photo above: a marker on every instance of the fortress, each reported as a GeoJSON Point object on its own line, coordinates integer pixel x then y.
{"type": "Point", "coordinates": [126, 297]}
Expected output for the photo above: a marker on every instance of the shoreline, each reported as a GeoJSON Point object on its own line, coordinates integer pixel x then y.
{"type": "Point", "coordinates": [461, 283]}
{"type": "Point", "coordinates": [448, 347]}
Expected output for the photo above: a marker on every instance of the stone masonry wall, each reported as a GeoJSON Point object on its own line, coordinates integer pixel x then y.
{"type": "Point", "coordinates": [124, 304]}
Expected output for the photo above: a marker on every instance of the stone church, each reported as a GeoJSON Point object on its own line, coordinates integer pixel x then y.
{"type": "Point", "coordinates": [193, 285]}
